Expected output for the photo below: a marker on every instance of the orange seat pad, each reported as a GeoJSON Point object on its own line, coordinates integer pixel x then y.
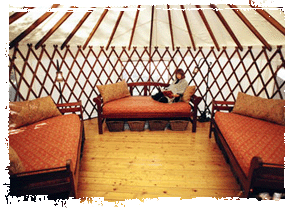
{"type": "Point", "coordinates": [48, 143]}
{"type": "Point", "coordinates": [248, 137]}
{"type": "Point", "coordinates": [145, 106]}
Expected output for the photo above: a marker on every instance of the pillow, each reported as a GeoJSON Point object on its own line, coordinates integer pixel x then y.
{"type": "Point", "coordinates": [16, 165]}
{"type": "Point", "coordinates": [189, 91]}
{"type": "Point", "coordinates": [266, 109]}
{"type": "Point", "coordinates": [115, 91]}
{"type": "Point", "coordinates": [31, 111]}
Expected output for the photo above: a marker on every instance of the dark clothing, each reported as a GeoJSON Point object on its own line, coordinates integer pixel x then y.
{"type": "Point", "coordinates": [160, 97]}
{"type": "Point", "coordinates": [177, 99]}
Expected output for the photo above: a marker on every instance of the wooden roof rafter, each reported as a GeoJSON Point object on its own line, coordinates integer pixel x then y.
{"type": "Point", "coordinates": [96, 27]}
{"type": "Point", "coordinates": [250, 26]}
{"type": "Point", "coordinates": [151, 26]}
{"type": "Point", "coordinates": [18, 15]}
{"type": "Point", "coordinates": [150, 41]}
{"type": "Point", "coordinates": [202, 15]}
{"type": "Point", "coordinates": [188, 26]}
{"type": "Point", "coordinates": [77, 27]}
{"type": "Point", "coordinates": [170, 26]}
{"type": "Point", "coordinates": [32, 27]}
{"type": "Point", "coordinates": [134, 26]}
{"type": "Point", "coordinates": [226, 25]}
{"type": "Point", "coordinates": [54, 28]}
{"type": "Point", "coordinates": [269, 18]}
{"type": "Point", "coordinates": [115, 28]}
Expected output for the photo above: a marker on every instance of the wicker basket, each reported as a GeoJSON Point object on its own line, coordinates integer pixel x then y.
{"type": "Point", "coordinates": [136, 125]}
{"type": "Point", "coordinates": [115, 125]}
{"type": "Point", "coordinates": [157, 125]}
{"type": "Point", "coordinates": [178, 125]}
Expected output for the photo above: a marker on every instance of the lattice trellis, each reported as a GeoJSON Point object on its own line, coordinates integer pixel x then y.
{"type": "Point", "coordinates": [252, 71]}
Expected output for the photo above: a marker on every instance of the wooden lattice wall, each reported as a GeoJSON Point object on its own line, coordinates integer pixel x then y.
{"type": "Point", "coordinates": [253, 71]}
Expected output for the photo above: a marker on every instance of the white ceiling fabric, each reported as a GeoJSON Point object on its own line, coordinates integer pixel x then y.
{"type": "Point", "coordinates": [161, 32]}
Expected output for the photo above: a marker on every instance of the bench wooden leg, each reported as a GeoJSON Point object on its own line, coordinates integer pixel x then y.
{"type": "Point", "coordinates": [100, 125]}
{"type": "Point", "coordinates": [194, 123]}
{"type": "Point", "coordinates": [211, 129]}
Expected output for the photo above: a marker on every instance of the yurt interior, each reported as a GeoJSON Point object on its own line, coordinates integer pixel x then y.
{"type": "Point", "coordinates": [135, 101]}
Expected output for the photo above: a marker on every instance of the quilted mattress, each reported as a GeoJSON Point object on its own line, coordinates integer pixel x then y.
{"type": "Point", "coordinates": [248, 137]}
{"type": "Point", "coordinates": [145, 106]}
{"type": "Point", "coordinates": [48, 143]}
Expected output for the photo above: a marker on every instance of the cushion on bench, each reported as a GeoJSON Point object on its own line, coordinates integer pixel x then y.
{"type": "Point", "coordinates": [248, 137]}
{"type": "Point", "coordinates": [144, 107]}
{"type": "Point", "coordinates": [48, 143]}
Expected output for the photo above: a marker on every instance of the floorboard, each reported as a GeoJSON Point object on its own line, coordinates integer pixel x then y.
{"type": "Point", "coordinates": [151, 164]}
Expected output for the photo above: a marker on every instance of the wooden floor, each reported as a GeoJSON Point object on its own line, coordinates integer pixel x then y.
{"type": "Point", "coordinates": [152, 164]}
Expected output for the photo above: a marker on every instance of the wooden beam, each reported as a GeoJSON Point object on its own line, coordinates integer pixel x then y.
{"type": "Point", "coordinates": [96, 27]}
{"type": "Point", "coordinates": [115, 28]}
{"type": "Point", "coordinates": [188, 26]}
{"type": "Point", "coordinates": [270, 19]}
{"type": "Point", "coordinates": [202, 15]}
{"type": "Point", "coordinates": [151, 29]}
{"type": "Point", "coordinates": [18, 15]}
{"type": "Point", "coordinates": [134, 26]}
{"type": "Point", "coordinates": [150, 42]}
{"type": "Point", "coordinates": [170, 25]}
{"type": "Point", "coordinates": [54, 28]}
{"type": "Point", "coordinates": [250, 26]}
{"type": "Point", "coordinates": [32, 27]}
{"type": "Point", "coordinates": [76, 28]}
{"type": "Point", "coordinates": [226, 25]}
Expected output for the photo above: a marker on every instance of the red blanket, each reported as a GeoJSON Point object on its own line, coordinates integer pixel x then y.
{"type": "Point", "coordinates": [48, 143]}
{"type": "Point", "coordinates": [248, 137]}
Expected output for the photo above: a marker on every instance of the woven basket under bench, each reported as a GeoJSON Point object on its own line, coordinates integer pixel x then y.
{"type": "Point", "coordinates": [115, 125]}
{"type": "Point", "coordinates": [157, 125]}
{"type": "Point", "coordinates": [136, 125]}
{"type": "Point", "coordinates": [179, 124]}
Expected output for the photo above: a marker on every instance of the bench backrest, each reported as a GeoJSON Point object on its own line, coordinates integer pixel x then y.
{"type": "Point", "coordinates": [146, 86]}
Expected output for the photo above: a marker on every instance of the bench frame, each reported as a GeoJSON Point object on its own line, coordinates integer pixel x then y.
{"type": "Point", "coordinates": [194, 101]}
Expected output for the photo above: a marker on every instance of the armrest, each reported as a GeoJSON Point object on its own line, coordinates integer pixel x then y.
{"type": "Point", "coordinates": [222, 106]}
{"type": "Point", "coordinates": [35, 182]}
{"type": "Point", "coordinates": [71, 108]}
{"type": "Point", "coordinates": [195, 100]}
{"type": "Point", "coordinates": [272, 175]}
{"type": "Point", "coordinates": [99, 102]}
{"type": "Point", "coordinates": [219, 106]}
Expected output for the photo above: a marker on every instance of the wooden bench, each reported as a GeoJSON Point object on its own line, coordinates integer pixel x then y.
{"type": "Point", "coordinates": [52, 180]}
{"type": "Point", "coordinates": [259, 174]}
{"type": "Point", "coordinates": [144, 107]}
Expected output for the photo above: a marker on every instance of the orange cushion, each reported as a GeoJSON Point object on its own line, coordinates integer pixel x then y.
{"type": "Point", "coordinates": [16, 165]}
{"type": "Point", "coordinates": [114, 91]}
{"type": "Point", "coordinates": [31, 111]}
{"type": "Point", "coordinates": [248, 137]}
{"type": "Point", "coordinates": [143, 106]}
{"type": "Point", "coordinates": [189, 91]}
{"type": "Point", "coordinates": [272, 110]}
